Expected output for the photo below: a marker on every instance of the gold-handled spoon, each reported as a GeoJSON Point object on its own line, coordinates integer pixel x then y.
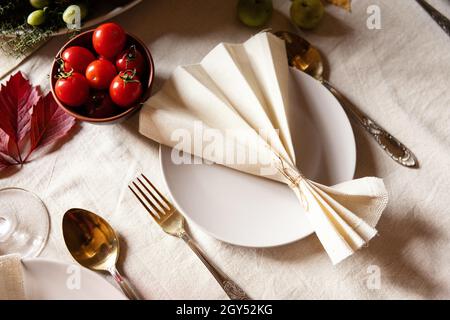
{"type": "Point", "coordinates": [303, 56]}
{"type": "Point", "coordinates": [94, 244]}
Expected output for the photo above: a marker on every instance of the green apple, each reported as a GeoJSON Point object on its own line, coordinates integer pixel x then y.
{"type": "Point", "coordinates": [254, 13]}
{"type": "Point", "coordinates": [307, 14]}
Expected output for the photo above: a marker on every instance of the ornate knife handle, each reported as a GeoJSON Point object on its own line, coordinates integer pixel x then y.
{"type": "Point", "coordinates": [440, 19]}
{"type": "Point", "coordinates": [391, 145]}
{"type": "Point", "coordinates": [233, 291]}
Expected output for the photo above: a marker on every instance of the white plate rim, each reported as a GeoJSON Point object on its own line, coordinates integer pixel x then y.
{"type": "Point", "coordinates": [346, 123]}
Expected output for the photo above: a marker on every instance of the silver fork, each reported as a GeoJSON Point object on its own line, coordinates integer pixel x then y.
{"type": "Point", "coordinates": [172, 222]}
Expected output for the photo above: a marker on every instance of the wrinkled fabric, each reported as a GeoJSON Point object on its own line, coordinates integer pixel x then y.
{"type": "Point", "coordinates": [11, 278]}
{"type": "Point", "coordinates": [399, 75]}
{"type": "Point", "coordinates": [241, 92]}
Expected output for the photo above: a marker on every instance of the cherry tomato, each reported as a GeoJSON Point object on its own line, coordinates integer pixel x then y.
{"type": "Point", "coordinates": [105, 58]}
{"type": "Point", "coordinates": [100, 73]}
{"type": "Point", "coordinates": [100, 105]}
{"type": "Point", "coordinates": [65, 67]}
{"type": "Point", "coordinates": [125, 89]}
{"type": "Point", "coordinates": [77, 58]}
{"type": "Point", "coordinates": [109, 39]}
{"type": "Point", "coordinates": [130, 59]}
{"type": "Point", "coordinates": [72, 89]}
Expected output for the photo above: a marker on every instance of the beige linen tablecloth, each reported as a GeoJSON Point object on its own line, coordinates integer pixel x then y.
{"type": "Point", "coordinates": [399, 75]}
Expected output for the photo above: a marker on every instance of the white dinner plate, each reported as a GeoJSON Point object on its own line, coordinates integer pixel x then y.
{"type": "Point", "coordinates": [251, 211]}
{"type": "Point", "coordinates": [51, 280]}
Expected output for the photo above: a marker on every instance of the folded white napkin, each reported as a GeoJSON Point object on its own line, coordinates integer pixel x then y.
{"type": "Point", "coordinates": [11, 278]}
{"type": "Point", "coordinates": [234, 103]}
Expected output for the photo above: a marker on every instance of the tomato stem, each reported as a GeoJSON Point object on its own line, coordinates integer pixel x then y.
{"type": "Point", "coordinates": [127, 77]}
{"type": "Point", "coordinates": [63, 74]}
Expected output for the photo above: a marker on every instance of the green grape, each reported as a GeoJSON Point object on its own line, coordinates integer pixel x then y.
{"type": "Point", "coordinates": [36, 18]}
{"type": "Point", "coordinates": [71, 11]}
{"type": "Point", "coordinates": [39, 4]}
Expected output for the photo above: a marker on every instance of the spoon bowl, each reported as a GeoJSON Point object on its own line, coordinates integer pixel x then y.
{"type": "Point", "coordinates": [90, 240]}
{"type": "Point", "coordinates": [301, 55]}
{"type": "Point", "coordinates": [93, 243]}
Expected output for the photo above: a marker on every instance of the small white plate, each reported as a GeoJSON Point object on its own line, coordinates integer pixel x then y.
{"type": "Point", "coordinates": [250, 211]}
{"type": "Point", "coordinates": [51, 280]}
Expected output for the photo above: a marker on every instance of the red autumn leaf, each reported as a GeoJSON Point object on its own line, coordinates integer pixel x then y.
{"type": "Point", "coordinates": [17, 98]}
{"type": "Point", "coordinates": [27, 120]}
{"type": "Point", "coordinates": [4, 162]}
{"type": "Point", "coordinates": [7, 146]}
{"type": "Point", "coordinates": [48, 123]}
{"type": "Point", "coordinates": [4, 142]}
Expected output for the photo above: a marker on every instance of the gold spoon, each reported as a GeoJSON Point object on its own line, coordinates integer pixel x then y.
{"type": "Point", "coordinates": [94, 244]}
{"type": "Point", "coordinates": [303, 56]}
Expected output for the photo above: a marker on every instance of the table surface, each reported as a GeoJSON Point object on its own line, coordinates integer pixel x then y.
{"type": "Point", "coordinates": [399, 75]}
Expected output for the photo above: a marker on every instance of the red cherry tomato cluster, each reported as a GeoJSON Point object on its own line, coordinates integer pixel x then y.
{"type": "Point", "coordinates": [105, 84]}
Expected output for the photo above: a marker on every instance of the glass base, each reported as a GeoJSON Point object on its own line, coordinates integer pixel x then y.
{"type": "Point", "coordinates": [24, 223]}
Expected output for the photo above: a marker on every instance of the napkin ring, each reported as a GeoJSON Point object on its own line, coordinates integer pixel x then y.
{"type": "Point", "coordinates": [294, 178]}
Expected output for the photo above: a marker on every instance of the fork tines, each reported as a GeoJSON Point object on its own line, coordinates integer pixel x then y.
{"type": "Point", "coordinates": [153, 201]}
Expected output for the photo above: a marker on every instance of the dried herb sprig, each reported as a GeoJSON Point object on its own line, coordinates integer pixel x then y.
{"type": "Point", "coordinates": [17, 37]}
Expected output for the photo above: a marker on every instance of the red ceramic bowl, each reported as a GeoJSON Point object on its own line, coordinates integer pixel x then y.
{"type": "Point", "coordinates": [85, 40]}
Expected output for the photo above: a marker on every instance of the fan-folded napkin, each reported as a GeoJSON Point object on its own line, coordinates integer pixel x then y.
{"type": "Point", "coordinates": [11, 278]}
{"type": "Point", "coordinates": [231, 109]}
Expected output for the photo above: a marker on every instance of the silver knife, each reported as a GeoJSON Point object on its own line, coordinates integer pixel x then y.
{"type": "Point", "coordinates": [440, 19]}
